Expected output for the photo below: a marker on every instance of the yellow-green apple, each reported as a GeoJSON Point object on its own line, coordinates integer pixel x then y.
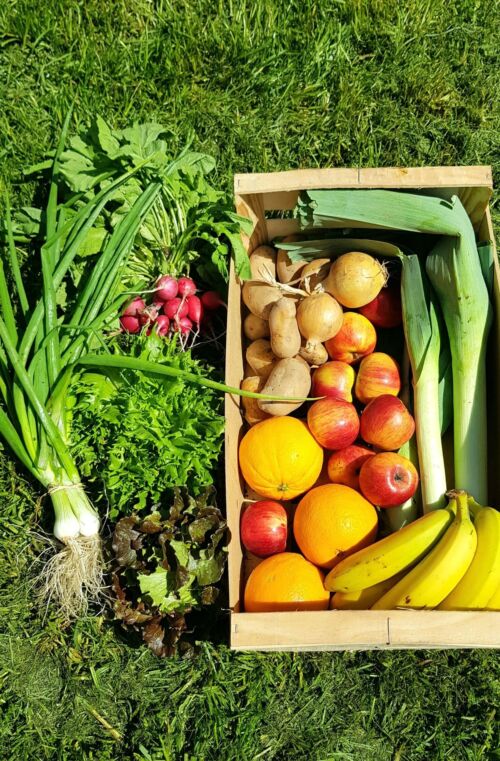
{"type": "Point", "coordinates": [386, 423]}
{"type": "Point", "coordinates": [264, 528]}
{"type": "Point", "coordinates": [388, 479]}
{"type": "Point", "coordinates": [334, 423]}
{"type": "Point", "coordinates": [345, 464]}
{"type": "Point", "coordinates": [385, 309]}
{"type": "Point", "coordinates": [377, 374]}
{"type": "Point", "coordinates": [355, 339]}
{"type": "Point", "coordinates": [334, 379]}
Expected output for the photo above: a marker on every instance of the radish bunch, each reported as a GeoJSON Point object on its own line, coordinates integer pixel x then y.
{"type": "Point", "coordinates": [175, 308]}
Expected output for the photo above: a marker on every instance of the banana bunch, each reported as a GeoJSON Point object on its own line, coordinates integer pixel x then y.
{"type": "Point", "coordinates": [443, 560]}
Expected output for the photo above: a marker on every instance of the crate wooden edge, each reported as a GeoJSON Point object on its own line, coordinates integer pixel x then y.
{"type": "Point", "coordinates": [365, 630]}
{"type": "Point", "coordinates": [340, 177]}
{"type": "Point", "coordinates": [253, 633]}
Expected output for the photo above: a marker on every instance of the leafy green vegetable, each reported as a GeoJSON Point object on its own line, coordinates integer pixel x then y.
{"type": "Point", "coordinates": [137, 434]}
{"type": "Point", "coordinates": [190, 223]}
{"type": "Point", "coordinates": [166, 565]}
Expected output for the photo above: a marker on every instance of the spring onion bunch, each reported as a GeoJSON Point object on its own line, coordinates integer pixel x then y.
{"type": "Point", "coordinates": [38, 347]}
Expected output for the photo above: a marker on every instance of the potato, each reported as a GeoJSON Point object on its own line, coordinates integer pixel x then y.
{"type": "Point", "coordinates": [255, 327]}
{"type": "Point", "coordinates": [286, 269]}
{"type": "Point", "coordinates": [285, 334]}
{"type": "Point", "coordinates": [262, 260]}
{"type": "Point", "coordinates": [253, 413]}
{"type": "Point", "coordinates": [260, 298]}
{"type": "Point", "coordinates": [314, 273]}
{"type": "Point", "coordinates": [289, 377]}
{"type": "Point", "coordinates": [260, 357]}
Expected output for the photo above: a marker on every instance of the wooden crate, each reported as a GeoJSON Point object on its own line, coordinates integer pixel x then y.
{"type": "Point", "coordinates": [257, 195]}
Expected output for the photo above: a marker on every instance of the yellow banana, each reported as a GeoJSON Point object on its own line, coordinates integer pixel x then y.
{"type": "Point", "coordinates": [363, 599]}
{"type": "Point", "coordinates": [426, 585]}
{"type": "Point", "coordinates": [494, 603]}
{"type": "Point", "coordinates": [390, 555]}
{"type": "Point", "coordinates": [482, 578]}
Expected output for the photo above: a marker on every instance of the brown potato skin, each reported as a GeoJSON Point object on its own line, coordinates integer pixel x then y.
{"type": "Point", "coordinates": [289, 377]}
{"type": "Point", "coordinates": [260, 298]}
{"type": "Point", "coordinates": [286, 269]}
{"type": "Point", "coordinates": [253, 413]}
{"type": "Point", "coordinates": [285, 334]}
{"type": "Point", "coordinates": [263, 257]}
{"type": "Point", "coordinates": [260, 357]}
{"type": "Point", "coordinates": [255, 327]}
{"type": "Point", "coordinates": [309, 281]}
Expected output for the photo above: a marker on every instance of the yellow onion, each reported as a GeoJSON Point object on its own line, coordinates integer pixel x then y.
{"type": "Point", "coordinates": [319, 317]}
{"type": "Point", "coordinates": [355, 279]}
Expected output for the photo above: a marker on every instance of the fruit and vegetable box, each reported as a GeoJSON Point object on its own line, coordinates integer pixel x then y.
{"type": "Point", "coordinates": [362, 457]}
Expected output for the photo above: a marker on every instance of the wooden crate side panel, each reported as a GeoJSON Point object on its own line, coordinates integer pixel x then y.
{"type": "Point", "coordinates": [234, 425]}
{"type": "Point", "coordinates": [363, 629]}
{"type": "Point", "coordinates": [251, 206]}
{"type": "Point", "coordinates": [389, 177]}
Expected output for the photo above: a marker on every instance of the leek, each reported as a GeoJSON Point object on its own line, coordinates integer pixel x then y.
{"type": "Point", "coordinates": [423, 339]}
{"type": "Point", "coordinates": [455, 272]}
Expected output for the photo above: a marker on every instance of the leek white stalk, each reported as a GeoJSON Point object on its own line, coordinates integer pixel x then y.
{"type": "Point", "coordinates": [423, 339]}
{"type": "Point", "coordinates": [455, 272]}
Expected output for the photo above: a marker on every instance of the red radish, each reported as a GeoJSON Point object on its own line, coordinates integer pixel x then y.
{"type": "Point", "coordinates": [187, 287]}
{"type": "Point", "coordinates": [148, 315]}
{"type": "Point", "coordinates": [135, 306]}
{"type": "Point", "coordinates": [195, 309]}
{"type": "Point", "coordinates": [162, 324]}
{"type": "Point", "coordinates": [130, 324]}
{"type": "Point", "coordinates": [166, 288]}
{"type": "Point", "coordinates": [211, 300]}
{"type": "Point", "coordinates": [175, 309]}
{"type": "Point", "coordinates": [158, 302]}
{"type": "Point", "coordinates": [184, 325]}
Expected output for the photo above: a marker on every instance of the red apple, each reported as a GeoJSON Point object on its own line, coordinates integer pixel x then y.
{"type": "Point", "coordinates": [386, 423]}
{"type": "Point", "coordinates": [334, 423]}
{"type": "Point", "coordinates": [378, 374]}
{"type": "Point", "coordinates": [385, 309]}
{"type": "Point", "coordinates": [334, 379]}
{"type": "Point", "coordinates": [387, 479]}
{"type": "Point", "coordinates": [355, 339]}
{"type": "Point", "coordinates": [264, 528]}
{"type": "Point", "coordinates": [344, 466]}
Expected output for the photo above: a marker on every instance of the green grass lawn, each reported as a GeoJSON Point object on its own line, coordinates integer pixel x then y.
{"type": "Point", "coordinates": [263, 86]}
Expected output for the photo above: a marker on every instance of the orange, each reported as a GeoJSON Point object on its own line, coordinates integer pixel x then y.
{"type": "Point", "coordinates": [286, 581]}
{"type": "Point", "coordinates": [280, 458]}
{"type": "Point", "coordinates": [333, 521]}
